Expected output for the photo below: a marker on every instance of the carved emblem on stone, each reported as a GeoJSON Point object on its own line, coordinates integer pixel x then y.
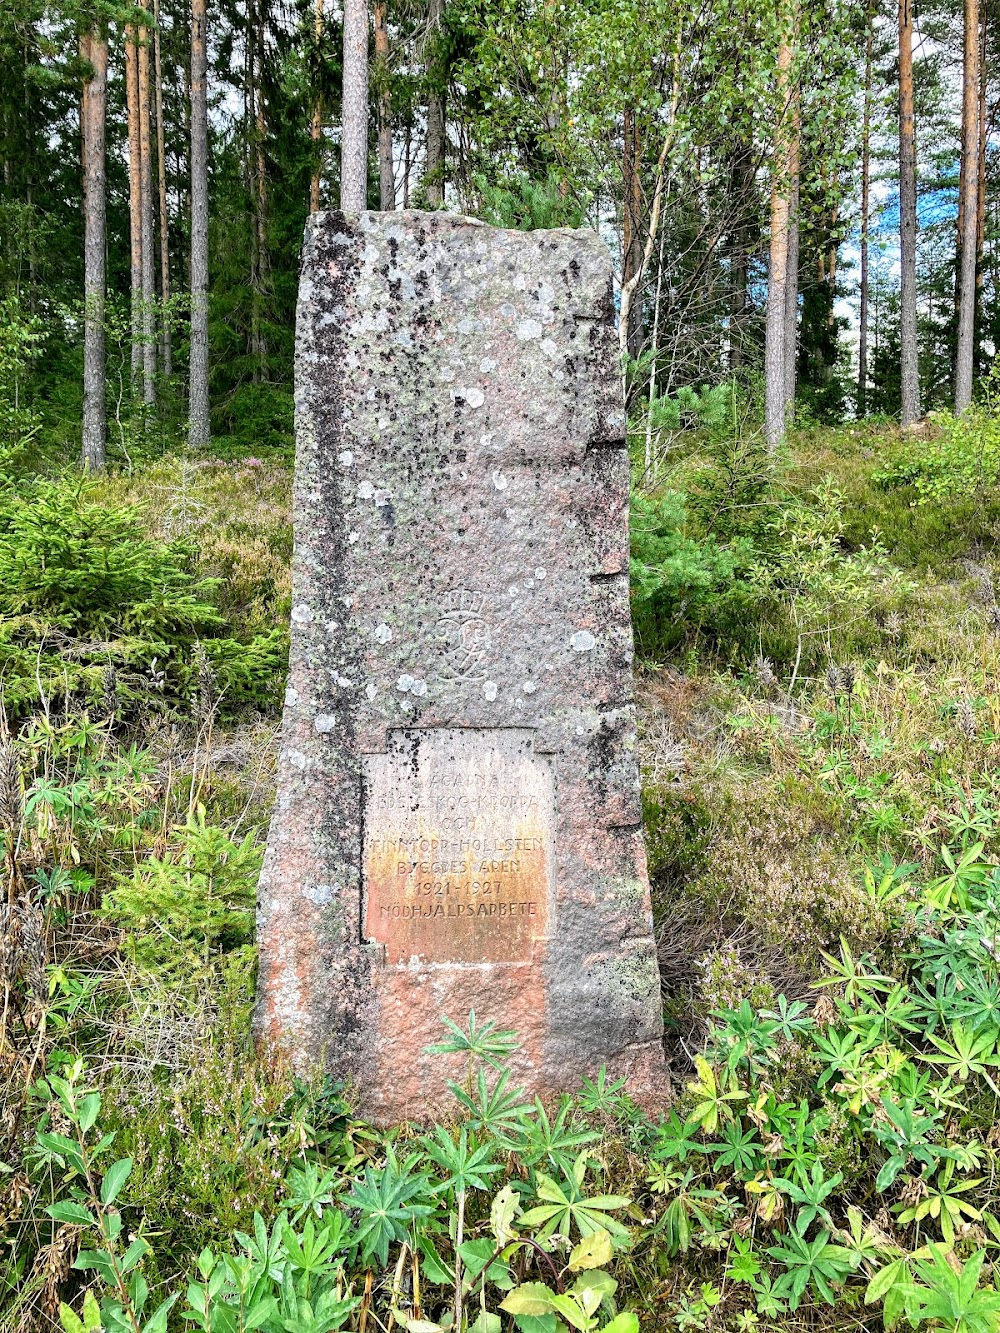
{"type": "Point", "coordinates": [464, 634]}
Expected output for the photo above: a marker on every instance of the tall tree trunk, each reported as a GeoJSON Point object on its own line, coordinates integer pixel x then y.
{"type": "Point", "coordinates": [740, 182]}
{"type": "Point", "coordinates": [434, 165]}
{"type": "Point", "coordinates": [790, 337]}
{"type": "Point", "coordinates": [93, 116]}
{"type": "Point", "coordinates": [316, 124]}
{"type": "Point", "coordinates": [146, 191]}
{"type": "Point", "coordinates": [981, 188]}
{"type": "Point", "coordinates": [970, 209]}
{"type": "Point", "coordinates": [862, 407]}
{"type": "Point", "coordinates": [386, 179]}
{"type": "Point", "coordinates": [632, 247]}
{"type": "Point", "coordinates": [184, 169]}
{"type": "Point", "coordinates": [407, 160]}
{"type": "Point", "coordinates": [833, 259]}
{"type": "Point", "coordinates": [774, 332]}
{"type": "Point", "coordinates": [260, 267]}
{"type": "Point", "coordinates": [354, 115]}
{"type": "Point", "coordinates": [957, 288]}
{"type": "Point", "coordinates": [909, 372]}
{"type": "Point", "coordinates": [249, 144]}
{"type": "Point", "coordinates": [166, 350]}
{"type": "Point", "coordinates": [134, 196]}
{"type": "Point", "coordinates": [198, 427]}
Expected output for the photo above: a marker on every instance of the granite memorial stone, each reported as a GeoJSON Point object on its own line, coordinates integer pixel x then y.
{"type": "Point", "coordinates": [457, 823]}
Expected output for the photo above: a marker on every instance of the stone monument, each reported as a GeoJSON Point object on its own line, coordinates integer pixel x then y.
{"type": "Point", "coordinates": [457, 823]}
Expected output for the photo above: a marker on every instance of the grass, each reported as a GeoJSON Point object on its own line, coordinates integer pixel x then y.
{"type": "Point", "coordinates": [772, 777]}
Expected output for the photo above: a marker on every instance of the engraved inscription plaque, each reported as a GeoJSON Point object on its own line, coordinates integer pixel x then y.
{"type": "Point", "coordinates": [457, 845]}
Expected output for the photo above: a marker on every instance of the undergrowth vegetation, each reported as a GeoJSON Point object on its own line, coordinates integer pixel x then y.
{"type": "Point", "coordinates": [820, 735]}
{"type": "Point", "coordinates": [91, 603]}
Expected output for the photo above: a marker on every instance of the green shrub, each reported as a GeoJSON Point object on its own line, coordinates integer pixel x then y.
{"type": "Point", "coordinates": [674, 576]}
{"type": "Point", "coordinates": [775, 578]}
{"type": "Point", "coordinates": [960, 459]}
{"type": "Point", "coordinates": [22, 338]}
{"type": "Point", "coordinates": [181, 911]}
{"type": "Point", "coordinates": [710, 408]}
{"type": "Point", "coordinates": [84, 588]}
{"type": "Point", "coordinates": [90, 569]}
{"type": "Point", "coordinates": [525, 204]}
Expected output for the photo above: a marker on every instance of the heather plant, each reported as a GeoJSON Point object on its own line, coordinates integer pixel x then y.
{"type": "Point", "coordinates": [237, 512]}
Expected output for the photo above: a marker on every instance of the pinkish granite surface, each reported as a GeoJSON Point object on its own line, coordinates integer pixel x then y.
{"type": "Point", "coordinates": [458, 823]}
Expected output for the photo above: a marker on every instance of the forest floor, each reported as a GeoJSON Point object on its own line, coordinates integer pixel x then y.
{"type": "Point", "coordinates": [822, 806]}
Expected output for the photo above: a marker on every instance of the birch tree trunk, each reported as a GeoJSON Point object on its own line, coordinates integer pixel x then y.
{"type": "Point", "coordinates": [146, 195]}
{"type": "Point", "coordinates": [629, 285]}
{"type": "Point", "coordinates": [166, 350]}
{"type": "Point", "coordinates": [93, 117]}
{"type": "Point", "coordinates": [386, 178]}
{"type": "Point", "coordinates": [198, 423]}
{"type": "Point", "coordinates": [407, 161]}
{"type": "Point", "coordinates": [909, 371]}
{"type": "Point", "coordinates": [434, 164]}
{"type": "Point", "coordinates": [774, 333]}
{"type": "Point", "coordinates": [134, 197]}
{"type": "Point", "coordinates": [970, 210]}
{"type": "Point", "coordinates": [354, 121]}
{"type": "Point", "coordinates": [740, 180]}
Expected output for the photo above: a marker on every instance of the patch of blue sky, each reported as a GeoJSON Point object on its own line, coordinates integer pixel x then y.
{"type": "Point", "coordinates": [933, 207]}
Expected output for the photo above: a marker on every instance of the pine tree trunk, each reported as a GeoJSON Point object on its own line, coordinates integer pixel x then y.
{"type": "Point", "coordinates": [981, 188]}
{"type": "Point", "coordinates": [93, 117]}
{"type": "Point", "coordinates": [862, 407]}
{"type": "Point", "coordinates": [260, 267]}
{"type": "Point", "coordinates": [146, 192]}
{"type": "Point", "coordinates": [909, 373]}
{"type": "Point", "coordinates": [354, 115]}
{"type": "Point", "coordinates": [434, 164]}
{"type": "Point", "coordinates": [198, 429]}
{"type": "Point", "coordinates": [957, 286]}
{"type": "Point", "coordinates": [134, 197]}
{"type": "Point", "coordinates": [386, 178]}
{"type": "Point", "coordinates": [790, 336]}
{"type": "Point", "coordinates": [632, 247]}
{"type": "Point", "coordinates": [774, 332]}
{"type": "Point", "coordinates": [407, 160]}
{"type": "Point", "coordinates": [316, 124]}
{"type": "Point", "coordinates": [970, 209]}
{"type": "Point", "coordinates": [166, 350]}
{"type": "Point", "coordinates": [250, 164]}
{"type": "Point", "coordinates": [184, 170]}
